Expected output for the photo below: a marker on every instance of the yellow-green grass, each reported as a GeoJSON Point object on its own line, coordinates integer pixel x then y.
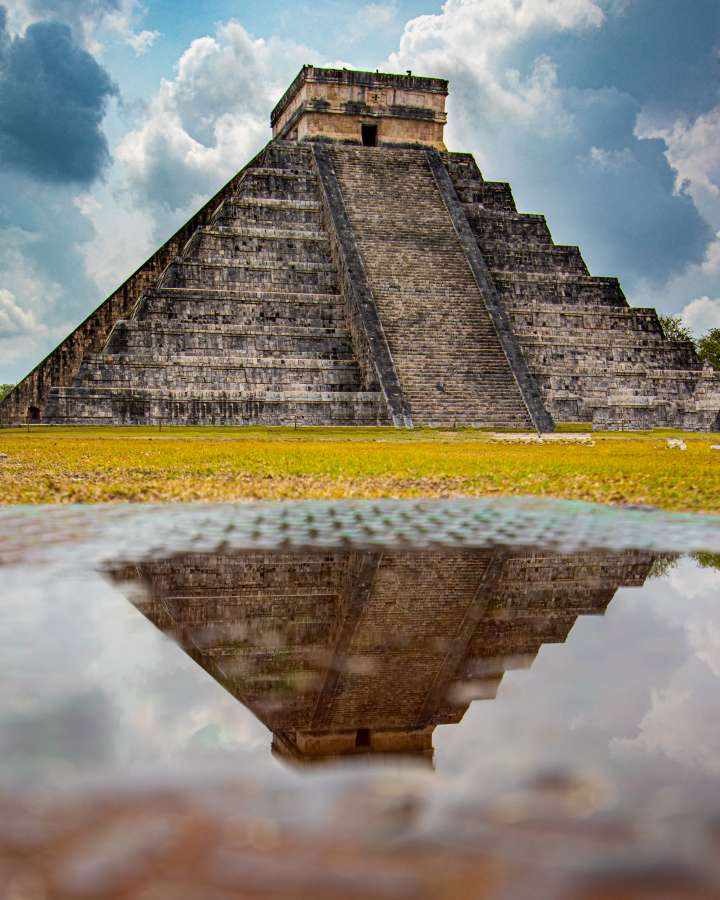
{"type": "Point", "coordinates": [87, 465]}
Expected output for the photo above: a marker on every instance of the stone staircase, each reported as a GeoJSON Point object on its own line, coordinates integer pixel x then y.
{"type": "Point", "coordinates": [449, 359]}
{"type": "Point", "coordinates": [593, 357]}
{"type": "Point", "coordinates": [246, 326]}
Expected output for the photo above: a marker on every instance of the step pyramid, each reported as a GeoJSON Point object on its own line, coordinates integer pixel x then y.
{"type": "Point", "coordinates": [356, 273]}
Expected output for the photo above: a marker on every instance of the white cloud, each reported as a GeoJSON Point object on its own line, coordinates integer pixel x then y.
{"type": "Point", "coordinates": [142, 41]}
{"type": "Point", "coordinates": [702, 314]}
{"type": "Point", "coordinates": [693, 152]}
{"type": "Point", "coordinates": [467, 43]}
{"type": "Point", "coordinates": [92, 21]}
{"type": "Point", "coordinates": [20, 278]}
{"type": "Point", "coordinates": [608, 161]}
{"type": "Point", "coordinates": [123, 238]}
{"type": "Point", "coordinates": [676, 712]}
{"type": "Point", "coordinates": [704, 638]}
{"type": "Point", "coordinates": [15, 320]}
{"type": "Point", "coordinates": [711, 264]}
{"type": "Point", "coordinates": [22, 335]}
{"type": "Point", "coordinates": [87, 204]}
{"type": "Point", "coordinates": [371, 18]}
{"type": "Point", "coordinates": [204, 124]}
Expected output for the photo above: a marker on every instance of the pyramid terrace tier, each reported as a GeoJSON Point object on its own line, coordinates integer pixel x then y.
{"type": "Point", "coordinates": [240, 374]}
{"type": "Point", "coordinates": [135, 406]}
{"type": "Point", "coordinates": [203, 340]}
{"type": "Point", "coordinates": [171, 306]}
{"type": "Point", "coordinates": [527, 289]}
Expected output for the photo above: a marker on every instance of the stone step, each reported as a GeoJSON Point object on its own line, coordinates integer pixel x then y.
{"type": "Point", "coordinates": [168, 342]}
{"type": "Point", "coordinates": [506, 257]}
{"type": "Point", "coordinates": [157, 312]}
{"type": "Point", "coordinates": [185, 394]}
{"type": "Point", "coordinates": [269, 215]}
{"type": "Point", "coordinates": [181, 314]}
{"type": "Point", "coordinates": [241, 382]}
{"type": "Point", "coordinates": [297, 365]}
{"type": "Point", "coordinates": [224, 275]}
{"type": "Point", "coordinates": [559, 315]}
{"type": "Point", "coordinates": [477, 196]}
{"type": "Point", "coordinates": [522, 229]}
{"type": "Point", "coordinates": [270, 330]}
{"type": "Point", "coordinates": [243, 295]}
{"type": "Point", "coordinates": [590, 337]}
{"type": "Point", "coordinates": [275, 203]}
{"type": "Point", "coordinates": [128, 407]}
{"type": "Point", "coordinates": [254, 251]}
{"type": "Point", "coordinates": [283, 172]}
{"type": "Point", "coordinates": [266, 233]}
{"type": "Point", "coordinates": [279, 183]}
{"type": "Point", "coordinates": [578, 357]}
{"type": "Point", "coordinates": [546, 288]}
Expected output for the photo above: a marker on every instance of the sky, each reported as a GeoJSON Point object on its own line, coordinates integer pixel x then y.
{"type": "Point", "coordinates": [120, 118]}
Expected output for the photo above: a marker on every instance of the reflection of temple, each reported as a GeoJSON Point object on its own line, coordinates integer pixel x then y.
{"type": "Point", "coordinates": [346, 652]}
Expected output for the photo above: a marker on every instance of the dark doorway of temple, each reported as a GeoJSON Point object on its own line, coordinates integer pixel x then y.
{"type": "Point", "coordinates": [362, 737]}
{"type": "Point", "coordinates": [33, 414]}
{"type": "Point", "coordinates": [369, 135]}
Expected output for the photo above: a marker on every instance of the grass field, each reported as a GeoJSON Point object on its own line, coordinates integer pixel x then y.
{"type": "Point", "coordinates": [66, 465]}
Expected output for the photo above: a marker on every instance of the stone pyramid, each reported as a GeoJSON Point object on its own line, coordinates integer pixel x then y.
{"type": "Point", "coordinates": [356, 273]}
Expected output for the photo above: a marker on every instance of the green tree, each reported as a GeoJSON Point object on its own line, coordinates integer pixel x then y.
{"type": "Point", "coordinates": [663, 565]}
{"type": "Point", "coordinates": [5, 390]}
{"type": "Point", "coordinates": [709, 348]}
{"type": "Point", "coordinates": [675, 330]}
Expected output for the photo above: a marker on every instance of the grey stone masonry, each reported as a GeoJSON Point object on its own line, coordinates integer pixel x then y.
{"type": "Point", "coordinates": [246, 325]}
{"type": "Point", "coordinates": [446, 350]}
{"type": "Point", "coordinates": [593, 357]}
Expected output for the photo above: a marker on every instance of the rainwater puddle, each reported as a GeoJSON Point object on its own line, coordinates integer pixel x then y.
{"type": "Point", "coordinates": [508, 698]}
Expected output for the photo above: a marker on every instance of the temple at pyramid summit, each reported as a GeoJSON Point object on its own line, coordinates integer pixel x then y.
{"type": "Point", "coordinates": [355, 272]}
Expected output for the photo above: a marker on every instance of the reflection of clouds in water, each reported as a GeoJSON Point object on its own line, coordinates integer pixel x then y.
{"type": "Point", "coordinates": [680, 725]}
{"type": "Point", "coordinates": [71, 735]}
{"type": "Point", "coordinates": [88, 679]}
{"type": "Point", "coordinates": [681, 721]}
{"type": "Point", "coordinates": [638, 683]}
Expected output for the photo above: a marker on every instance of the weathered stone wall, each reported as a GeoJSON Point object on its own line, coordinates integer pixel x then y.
{"type": "Point", "coordinates": [347, 129]}
{"type": "Point", "coordinates": [333, 104]}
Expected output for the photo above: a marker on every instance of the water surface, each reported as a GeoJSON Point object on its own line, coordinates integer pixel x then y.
{"type": "Point", "coordinates": [492, 660]}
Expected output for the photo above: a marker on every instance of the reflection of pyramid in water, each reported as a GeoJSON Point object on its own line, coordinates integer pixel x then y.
{"type": "Point", "coordinates": [346, 652]}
